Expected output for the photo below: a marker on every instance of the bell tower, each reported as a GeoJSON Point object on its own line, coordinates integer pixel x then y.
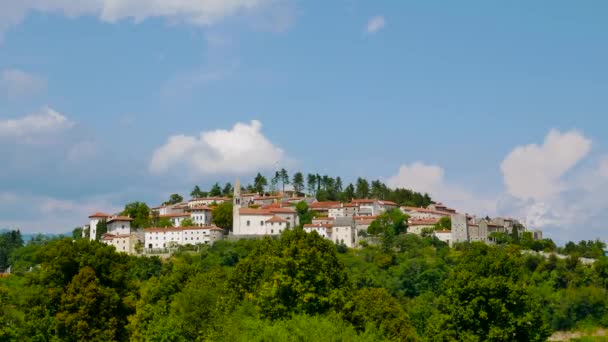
{"type": "Point", "coordinates": [236, 207]}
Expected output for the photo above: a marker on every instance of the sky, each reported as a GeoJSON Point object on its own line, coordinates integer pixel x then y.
{"type": "Point", "coordinates": [494, 108]}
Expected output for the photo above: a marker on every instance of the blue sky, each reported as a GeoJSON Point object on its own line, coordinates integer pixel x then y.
{"type": "Point", "coordinates": [486, 105]}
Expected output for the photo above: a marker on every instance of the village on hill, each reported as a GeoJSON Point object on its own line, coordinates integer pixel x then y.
{"type": "Point", "coordinates": [243, 212]}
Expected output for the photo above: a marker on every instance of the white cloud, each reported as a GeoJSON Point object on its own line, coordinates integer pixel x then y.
{"type": "Point", "coordinates": [16, 83]}
{"type": "Point", "coordinates": [375, 24]}
{"type": "Point", "coordinates": [34, 127]}
{"type": "Point", "coordinates": [429, 179]}
{"type": "Point", "coordinates": [535, 171]}
{"type": "Point", "coordinates": [48, 214]}
{"type": "Point", "coordinates": [195, 12]}
{"type": "Point", "coordinates": [242, 149]}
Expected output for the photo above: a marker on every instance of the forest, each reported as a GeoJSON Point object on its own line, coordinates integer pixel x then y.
{"type": "Point", "coordinates": [300, 287]}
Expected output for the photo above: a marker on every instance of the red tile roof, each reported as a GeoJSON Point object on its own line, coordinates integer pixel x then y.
{"type": "Point", "coordinates": [119, 218]}
{"type": "Point", "coordinates": [287, 210]}
{"type": "Point", "coordinates": [276, 219]}
{"type": "Point", "coordinates": [99, 215]}
{"type": "Point", "coordinates": [252, 211]}
{"type": "Point", "coordinates": [322, 205]}
{"type": "Point", "coordinates": [200, 208]}
{"type": "Point", "coordinates": [174, 215]}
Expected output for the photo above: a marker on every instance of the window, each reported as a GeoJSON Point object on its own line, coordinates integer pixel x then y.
{"type": "Point", "coordinates": [248, 223]}
{"type": "Point", "coordinates": [272, 231]}
{"type": "Point", "coordinates": [261, 223]}
{"type": "Point", "coordinates": [280, 223]}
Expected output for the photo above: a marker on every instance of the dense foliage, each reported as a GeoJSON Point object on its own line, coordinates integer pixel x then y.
{"type": "Point", "coordinates": [299, 287]}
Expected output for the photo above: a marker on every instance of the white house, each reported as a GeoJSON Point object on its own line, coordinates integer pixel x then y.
{"type": "Point", "coordinates": [324, 230]}
{"type": "Point", "coordinates": [417, 226]}
{"type": "Point", "coordinates": [119, 225]}
{"type": "Point", "coordinates": [201, 215]}
{"type": "Point", "coordinates": [269, 221]}
{"type": "Point", "coordinates": [373, 207]}
{"type": "Point", "coordinates": [444, 235]}
{"type": "Point", "coordinates": [171, 237]}
{"type": "Point", "coordinates": [126, 243]}
{"type": "Point", "coordinates": [196, 202]}
{"type": "Point", "coordinates": [343, 210]}
{"type": "Point", "coordinates": [176, 219]}
{"type": "Point", "coordinates": [424, 213]}
{"type": "Point", "coordinates": [94, 219]}
{"type": "Point", "coordinates": [344, 231]}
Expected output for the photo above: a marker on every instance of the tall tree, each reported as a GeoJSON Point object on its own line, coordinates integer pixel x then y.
{"type": "Point", "coordinates": [227, 191]}
{"type": "Point", "coordinates": [284, 178]}
{"type": "Point", "coordinates": [197, 192]}
{"type": "Point", "coordinates": [349, 193]}
{"type": "Point", "coordinates": [338, 185]}
{"type": "Point", "coordinates": [311, 182]}
{"type": "Point", "coordinates": [174, 199]}
{"type": "Point", "coordinates": [260, 183]}
{"type": "Point", "coordinates": [298, 182]}
{"type": "Point", "coordinates": [139, 212]}
{"type": "Point", "coordinates": [222, 215]}
{"type": "Point", "coordinates": [187, 223]}
{"type": "Point", "coordinates": [275, 181]}
{"type": "Point", "coordinates": [376, 189]}
{"type": "Point", "coordinates": [362, 188]}
{"type": "Point", "coordinates": [102, 228]}
{"type": "Point", "coordinates": [215, 191]}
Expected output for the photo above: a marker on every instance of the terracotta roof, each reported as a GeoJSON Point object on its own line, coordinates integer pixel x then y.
{"type": "Point", "coordinates": [211, 199]}
{"type": "Point", "coordinates": [200, 207]}
{"type": "Point", "coordinates": [425, 210]}
{"type": "Point", "coordinates": [318, 205]}
{"type": "Point", "coordinates": [99, 215]}
{"type": "Point", "coordinates": [387, 203]}
{"type": "Point", "coordinates": [174, 215]}
{"type": "Point", "coordinates": [276, 219]}
{"type": "Point", "coordinates": [252, 211]}
{"type": "Point", "coordinates": [363, 201]}
{"type": "Point", "coordinates": [317, 225]}
{"type": "Point", "coordinates": [119, 218]}
{"type": "Point", "coordinates": [287, 210]}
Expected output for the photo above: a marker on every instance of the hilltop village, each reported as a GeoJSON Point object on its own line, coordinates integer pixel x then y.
{"type": "Point", "coordinates": [257, 214]}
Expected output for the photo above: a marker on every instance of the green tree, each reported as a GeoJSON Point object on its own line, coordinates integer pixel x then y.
{"type": "Point", "coordinates": [77, 233]}
{"type": "Point", "coordinates": [222, 215]}
{"type": "Point", "coordinates": [174, 199]}
{"type": "Point", "coordinates": [349, 193]}
{"type": "Point", "coordinates": [485, 298]}
{"type": "Point", "coordinates": [297, 273]}
{"type": "Point", "coordinates": [215, 191]}
{"type": "Point", "coordinates": [284, 177]}
{"type": "Point", "coordinates": [311, 183]}
{"type": "Point", "coordinates": [305, 216]}
{"type": "Point", "coordinates": [227, 190]}
{"type": "Point", "coordinates": [444, 223]}
{"type": "Point", "coordinates": [298, 182]}
{"type": "Point", "coordinates": [164, 223]}
{"type": "Point", "coordinates": [102, 228]}
{"type": "Point", "coordinates": [362, 188]}
{"type": "Point", "coordinates": [187, 223]}
{"type": "Point", "coordinates": [139, 212]}
{"type": "Point", "coordinates": [260, 183]}
{"type": "Point", "coordinates": [377, 307]}
{"type": "Point", "coordinates": [9, 241]}
{"type": "Point", "coordinates": [89, 311]}
{"type": "Point", "coordinates": [197, 192]}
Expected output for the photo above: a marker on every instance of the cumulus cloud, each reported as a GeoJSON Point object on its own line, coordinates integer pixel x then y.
{"type": "Point", "coordinates": [547, 190]}
{"type": "Point", "coordinates": [35, 127]}
{"type": "Point", "coordinates": [375, 24]}
{"type": "Point", "coordinates": [242, 149]}
{"type": "Point", "coordinates": [535, 171]}
{"type": "Point", "coordinates": [195, 12]}
{"type": "Point", "coordinates": [16, 83]}
{"type": "Point", "coordinates": [430, 179]}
